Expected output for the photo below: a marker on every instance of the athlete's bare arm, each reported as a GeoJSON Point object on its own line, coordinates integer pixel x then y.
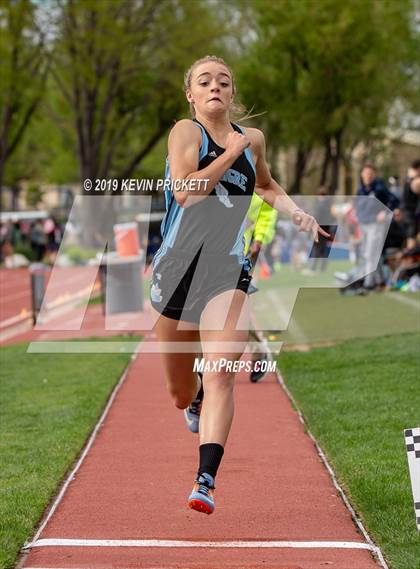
{"type": "Point", "coordinates": [183, 151]}
{"type": "Point", "coordinates": [272, 193]}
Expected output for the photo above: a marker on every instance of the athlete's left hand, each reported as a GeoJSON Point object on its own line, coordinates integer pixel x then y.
{"type": "Point", "coordinates": [308, 223]}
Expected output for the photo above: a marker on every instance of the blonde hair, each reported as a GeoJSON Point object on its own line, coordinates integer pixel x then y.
{"type": "Point", "coordinates": [237, 111]}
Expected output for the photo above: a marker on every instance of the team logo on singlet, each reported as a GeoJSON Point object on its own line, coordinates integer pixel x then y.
{"type": "Point", "coordinates": [236, 178]}
{"type": "Point", "coordinates": [156, 291]}
{"type": "Point", "coordinates": [223, 195]}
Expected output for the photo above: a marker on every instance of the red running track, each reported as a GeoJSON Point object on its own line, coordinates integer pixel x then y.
{"type": "Point", "coordinates": [15, 292]}
{"type": "Point", "coordinates": [135, 479]}
{"type": "Point", "coordinates": [15, 288]}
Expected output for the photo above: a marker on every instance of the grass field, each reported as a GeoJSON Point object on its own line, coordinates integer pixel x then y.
{"type": "Point", "coordinates": [326, 315]}
{"type": "Point", "coordinates": [323, 314]}
{"type": "Point", "coordinates": [358, 397]}
{"type": "Point", "coordinates": [49, 404]}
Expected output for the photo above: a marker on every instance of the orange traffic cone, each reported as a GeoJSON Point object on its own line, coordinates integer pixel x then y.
{"type": "Point", "coordinates": [264, 271]}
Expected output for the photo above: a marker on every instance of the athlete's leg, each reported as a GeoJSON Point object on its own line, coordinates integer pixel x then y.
{"type": "Point", "coordinates": [218, 405]}
{"type": "Point", "coordinates": [217, 409]}
{"type": "Point", "coordinates": [181, 380]}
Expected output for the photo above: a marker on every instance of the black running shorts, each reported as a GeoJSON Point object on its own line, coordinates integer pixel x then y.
{"type": "Point", "coordinates": [171, 292]}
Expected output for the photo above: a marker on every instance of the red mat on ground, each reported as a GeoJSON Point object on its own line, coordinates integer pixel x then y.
{"type": "Point", "coordinates": [134, 484]}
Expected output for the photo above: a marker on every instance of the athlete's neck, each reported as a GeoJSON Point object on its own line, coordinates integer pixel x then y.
{"type": "Point", "coordinates": [219, 126]}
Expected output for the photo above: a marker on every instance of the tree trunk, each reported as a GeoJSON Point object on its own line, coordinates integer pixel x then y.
{"type": "Point", "coordinates": [336, 159]}
{"type": "Point", "coordinates": [15, 197]}
{"type": "Point", "coordinates": [2, 205]}
{"type": "Point", "coordinates": [348, 179]}
{"type": "Point", "coordinates": [272, 155]}
{"type": "Point", "coordinates": [326, 162]}
{"type": "Point", "coordinates": [302, 156]}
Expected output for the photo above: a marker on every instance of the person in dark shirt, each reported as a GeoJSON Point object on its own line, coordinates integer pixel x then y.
{"type": "Point", "coordinates": [320, 250]}
{"type": "Point", "coordinates": [371, 217]}
{"type": "Point", "coordinates": [410, 205]}
{"type": "Point", "coordinates": [397, 235]}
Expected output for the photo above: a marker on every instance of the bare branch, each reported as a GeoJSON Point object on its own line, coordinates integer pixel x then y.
{"type": "Point", "coordinates": [163, 126]}
{"type": "Point", "coordinates": [113, 143]}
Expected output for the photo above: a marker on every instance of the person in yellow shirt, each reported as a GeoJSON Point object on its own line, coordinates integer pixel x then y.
{"type": "Point", "coordinates": [260, 231]}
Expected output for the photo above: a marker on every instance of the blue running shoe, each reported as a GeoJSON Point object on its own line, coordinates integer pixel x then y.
{"type": "Point", "coordinates": [192, 412]}
{"type": "Point", "coordinates": [201, 497]}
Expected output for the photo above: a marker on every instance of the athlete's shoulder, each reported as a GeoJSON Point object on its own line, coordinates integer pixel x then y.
{"type": "Point", "coordinates": [186, 128]}
{"type": "Point", "coordinates": [255, 135]}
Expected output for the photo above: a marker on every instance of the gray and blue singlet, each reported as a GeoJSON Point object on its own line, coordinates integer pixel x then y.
{"type": "Point", "coordinates": [211, 230]}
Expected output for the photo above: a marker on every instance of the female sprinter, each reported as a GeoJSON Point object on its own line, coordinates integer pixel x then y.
{"type": "Point", "coordinates": [200, 276]}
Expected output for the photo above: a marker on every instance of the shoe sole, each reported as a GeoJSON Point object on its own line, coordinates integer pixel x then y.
{"type": "Point", "coordinates": [200, 506]}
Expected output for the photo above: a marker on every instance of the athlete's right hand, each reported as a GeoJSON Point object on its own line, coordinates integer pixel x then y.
{"type": "Point", "coordinates": [236, 143]}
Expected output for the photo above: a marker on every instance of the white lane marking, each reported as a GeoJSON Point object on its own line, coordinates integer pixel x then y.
{"type": "Point", "coordinates": [89, 444]}
{"type": "Point", "coordinates": [410, 301]}
{"type": "Point", "coordinates": [16, 319]}
{"type": "Point", "coordinates": [91, 347]}
{"type": "Point", "coordinates": [52, 542]}
{"type": "Point", "coordinates": [376, 550]}
{"type": "Point", "coordinates": [58, 302]}
{"type": "Point", "coordinates": [285, 310]}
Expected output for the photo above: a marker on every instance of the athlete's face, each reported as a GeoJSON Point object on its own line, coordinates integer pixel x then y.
{"type": "Point", "coordinates": [211, 88]}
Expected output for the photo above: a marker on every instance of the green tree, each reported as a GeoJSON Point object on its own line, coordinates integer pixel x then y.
{"type": "Point", "coordinates": [328, 72]}
{"type": "Point", "coordinates": [119, 67]}
{"type": "Point", "coordinates": [23, 70]}
{"type": "Point", "coordinates": [33, 195]}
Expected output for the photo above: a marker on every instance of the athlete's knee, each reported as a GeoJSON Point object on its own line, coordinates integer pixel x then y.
{"type": "Point", "coordinates": [180, 396]}
{"type": "Point", "coordinates": [221, 381]}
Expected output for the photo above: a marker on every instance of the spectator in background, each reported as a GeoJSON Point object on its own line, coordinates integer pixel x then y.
{"type": "Point", "coordinates": [38, 240]}
{"type": "Point", "coordinates": [355, 235]}
{"type": "Point", "coordinates": [15, 233]}
{"type": "Point", "coordinates": [261, 220]}
{"type": "Point", "coordinates": [52, 233]}
{"type": "Point", "coordinates": [25, 230]}
{"type": "Point", "coordinates": [410, 205]}
{"type": "Point", "coordinates": [394, 243]}
{"type": "Point", "coordinates": [394, 187]}
{"type": "Point", "coordinates": [261, 228]}
{"type": "Point", "coordinates": [320, 250]}
{"type": "Point", "coordinates": [371, 219]}
{"type": "Point", "coordinates": [396, 236]}
{"type": "Point", "coordinates": [6, 248]}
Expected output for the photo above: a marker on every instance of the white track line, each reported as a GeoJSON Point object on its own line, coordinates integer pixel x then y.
{"type": "Point", "coordinates": [15, 319]}
{"type": "Point", "coordinates": [331, 472]}
{"type": "Point", "coordinates": [410, 300]}
{"type": "Point", "coordinates": [72, 474]}
{"type": "Point", "coordinates": [211, 544]}
{"type": "Point", "coordinates": [285, 313]}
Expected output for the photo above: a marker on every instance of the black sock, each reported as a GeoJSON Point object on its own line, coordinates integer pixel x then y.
{"type": "Point", "coordinates": [200, 393]}
{"type": "Point", "coordinates": [210, 458]}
